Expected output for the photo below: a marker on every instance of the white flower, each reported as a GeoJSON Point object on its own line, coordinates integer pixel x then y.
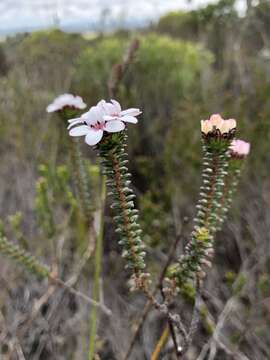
{"type": "Point", "coordinates": [114, 112]}
{"type": "Point", "coordinates": [102, 117]}
{"type": "Point", "coordinates": [218, 127]}
{"type": "Point", "coordinates": [66, 100]}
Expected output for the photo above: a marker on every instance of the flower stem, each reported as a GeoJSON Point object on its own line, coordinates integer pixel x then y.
{"type": "Point", "coordinates": [230, 186]}
{"type": "Point", "coordinates": [214, 173]}
{"type": "Point", "coordinates": [114, 161]}
{"type": "Point", "coordinates": [98, 264]}
{"type": "Point", "coordinates": [199, 250]}
{"type": "Point", "coordinates": [81, 179]}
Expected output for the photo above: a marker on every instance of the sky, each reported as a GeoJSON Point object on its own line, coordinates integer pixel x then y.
{"type": "Point", "coordinates": [27, 15]}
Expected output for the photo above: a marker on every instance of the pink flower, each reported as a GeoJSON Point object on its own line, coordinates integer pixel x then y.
{"type": "Point", "coordinates": [114, 112]}
{"type": "Point", "coordinates": [239, 148]}
{"type": "Point", "coordinates": [66, 100]}
{"type": "Point", "coordinates": [102, 117]}
{"type": "Point", "coordinates": [216, 126]}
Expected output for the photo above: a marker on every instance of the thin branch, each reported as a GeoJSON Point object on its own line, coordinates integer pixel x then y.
{"type": "Point", "coordinates": [118, 70]}
{"type": "Point", "coordinates": [13, 343]}
{"type": "Point", "coordinates": [195, 317]}
{"type": "Point", "coordinates": [61, 283]}
{"type": "Point", "coordinates": [217, 338]}
{"type": "Point", "coordinates": [97, 275]}
{"type": "Point", "coordinates": [161, 342]}
{"type": "Point", "coordinates": [148, 304]}
{"type": "Point", "coordinates": [177, 349]}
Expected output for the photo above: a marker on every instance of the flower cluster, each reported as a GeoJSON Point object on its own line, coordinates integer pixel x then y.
{"type": "Point", "coordinates": [217, 127]}
{"type": "Point", "coordinates": [66, 101]}
{"type": "Point", "coordinates": [239, 149]}
{"type": "Point", "coordinates": [105, 116]}
{"type": "Point", "coordinates": [222, 163]}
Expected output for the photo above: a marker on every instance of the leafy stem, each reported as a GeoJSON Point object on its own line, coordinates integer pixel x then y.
{"type": "Point", "coordinates": [114, 162]}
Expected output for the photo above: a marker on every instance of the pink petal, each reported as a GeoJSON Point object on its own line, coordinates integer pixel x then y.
{"type": "Point", "coordinates": [114, 126]}
{"type": "Point", "coordinates": [93, 137]}
{"type": "Point", "coordinates": [217, 121]}
{"type": "Point", "coordinates": [79, 131]}
{"type": "Point", "coordinates": [129, 119]}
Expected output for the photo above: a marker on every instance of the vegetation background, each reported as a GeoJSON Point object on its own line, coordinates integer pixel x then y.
{"type": "Point", "coordinates": [187, 66]}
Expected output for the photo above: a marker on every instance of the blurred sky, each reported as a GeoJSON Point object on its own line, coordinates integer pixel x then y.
{"type": "Point", "coordinates": [23, 15]}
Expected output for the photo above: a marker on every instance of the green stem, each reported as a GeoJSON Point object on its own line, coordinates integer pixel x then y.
{"type": "Point", "coordinates": [23, 258]}
{"type": "Point", "coordinates": [210, 202]}
{"type": "Point", "coordinates": [198, 252]}
{"type": "Point", "coordinates": [230, 186]}
{"type": "Point", "coordinates": [81, 179]}
{"type": "Point", "coordinates": [96, 285]}
{"type": "Point", "coordinates": [114, 162]}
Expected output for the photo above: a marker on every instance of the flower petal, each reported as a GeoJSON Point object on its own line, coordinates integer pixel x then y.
{"type": "Point", "coordinates": [109, 118]}
{"type": "Point", "coordinates": [94, 115]}
{"type": "Point", "coordinates": [79, 131]}
{"type": "Point", "coordinates": [51, 108]}
{"type": "Point", "coordinates": [75, 119]}
{"type": "Point", "coordinates": [93, 137]}
{"type": "Point", "coordinates": [228, 125]}
{"type": "Point", "coordinates": [129, 119]}
{"type": "Point", "coordinates": [206, 126]}
{"type": "Point", "coordinates": [131, 112]}
{"type": "Point", "coordinates": [101, 103]}
{"type": "Point", "coordinates": [216, 120]}
{"type": "Point", "coordinates": [75, 122]}
{"type": "Point", "coordinates": [232, 123]}
{"type": "Point", "coordinates": [114, 126]}
{"type": "Point", "coordinates": [66, 100]}
{"type": "Point", "coordinates": [117, 105]}
{"type": "Point", "coordinates": [240, 147]}
{"type": "Point", "coordinates": [110, 109]}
